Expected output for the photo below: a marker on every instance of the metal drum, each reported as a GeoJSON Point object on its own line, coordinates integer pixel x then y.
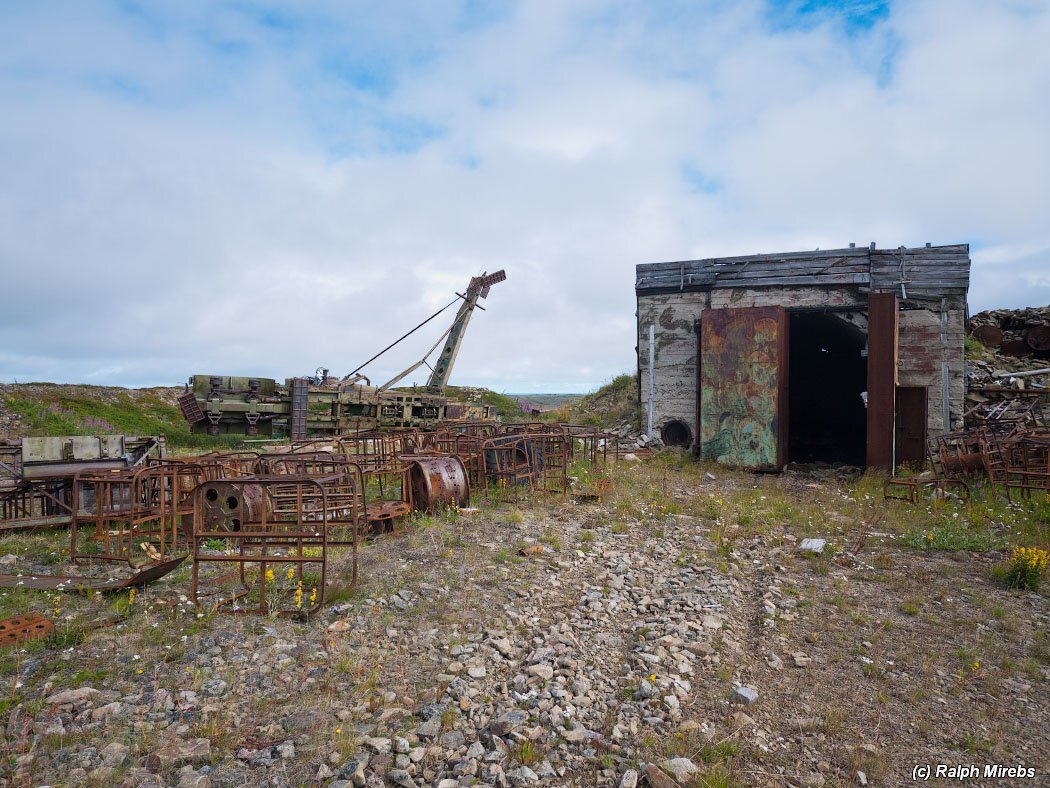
{"type": "Point", "coordinates": [226, 506]}
{"type": "Point", "coordinates": [438, 481]}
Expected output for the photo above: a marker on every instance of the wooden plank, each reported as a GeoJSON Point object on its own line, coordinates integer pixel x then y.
{"type": "Point", "coordinates": [797, 281]}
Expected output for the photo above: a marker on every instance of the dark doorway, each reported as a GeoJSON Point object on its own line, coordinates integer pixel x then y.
{"type": "Point", "coordinates": [676, 433]}
{"type": "Point", "coordinates": [827, 421]}
{"type": "Point", "coordinates": [911, 426]}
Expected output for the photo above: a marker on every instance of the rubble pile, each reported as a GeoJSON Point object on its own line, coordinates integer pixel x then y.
{"type": "Point", "coordinates": [1007, 379]}
{"type": "Point", "coordinates": [1014, 332]}
{"type": "Point", "coordinates": [630, 438]}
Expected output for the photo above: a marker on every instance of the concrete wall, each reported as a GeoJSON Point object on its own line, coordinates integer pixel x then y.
{"type": "Point", "coordinates": [930, 340]}
{"type": "Point", "coordinates": [676, 347]}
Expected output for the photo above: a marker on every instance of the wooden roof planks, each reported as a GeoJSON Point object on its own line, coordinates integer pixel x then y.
{"type": "Point", "coordinates": [926, 271]}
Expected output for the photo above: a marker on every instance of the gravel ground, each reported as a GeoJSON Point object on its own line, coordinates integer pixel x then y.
{"type": "Point", "coordinates": [674, 634]}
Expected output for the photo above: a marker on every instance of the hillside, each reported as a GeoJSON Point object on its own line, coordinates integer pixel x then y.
{"type": "Point", "coordinates": [612, 405]}
{"type": "Point", "coordinates": [60, 409]}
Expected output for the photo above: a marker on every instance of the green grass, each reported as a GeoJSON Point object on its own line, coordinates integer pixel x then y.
{"type": "Point", "coordinates": [90, 410]}
{"type": "Point", "coordinates": [507, 408]}
{"type": "Point", "coordinates": [610, 406]}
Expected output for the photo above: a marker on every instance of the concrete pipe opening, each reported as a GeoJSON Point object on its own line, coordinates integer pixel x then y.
{"type": "Point", "coordinates": [676, 433]}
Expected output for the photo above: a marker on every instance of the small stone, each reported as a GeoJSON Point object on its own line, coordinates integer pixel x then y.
{"type": "Point", "coordinates": [179, 752]}
{"type": "Point", "coordinates": [745, 696]}
{"type": "Point", "coordinates": [8, 560]}
{"type": "Point", "coordinates": [629, 779]}
{"type": "Point", "coordinates": [453, 740]}
{"type": "Point", "coordinates": [114, 754]}
{"type": "Point", "coordinates": [801, 660]}
{"type": "Point", "coordinates": [476, 671]}
{"type": "Point", "coordinates": [775, 662]}
{"type": "Point", "coordinates": [340, 625]}
{"type": "Point", "coordinates": [862, 778]}
{"type": "Point", "coordinates": [354, 771]}
{"type": "Point", "coordinates": [657, 779]}
{"type": "Point", "coordinates": [681, 769]}
{"type": "Point", "coordinates": [429, 729]}
{"type": "Point", "coordinates": [523, 776]}
{"type": "Point", "coordinates": [741, 720]}
{"type": "Point", "coordinates": [213, 688]}
{"type": "Point", "coordinates": [545, 672]}
{"type": "Point", "coordinates": [507, 722]}
{"type": "Point", "coordinates": [74, 696]}
{"type": "Point", "coordinates": [401, 744]}
{"type": "Point", "coordinates": [286, 750]}
{"type": "Point", "coordinates": [401, 777]}
{"type": "Point", "coordinates": [814, 546]}
{"type": "Point", "coordinates": [378, 744]}
{"type": "Point", "coordinates": [712, 622]}
{"type": "Point", "coordinates": [476, 750]}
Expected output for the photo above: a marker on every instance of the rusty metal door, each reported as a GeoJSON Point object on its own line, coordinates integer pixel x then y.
{"type": "Point", "coordinates": [882, 378]}
{"type": "Point", "coordinates": [911, 425]}
{"type": "Point", "coordinates": [743, 387]}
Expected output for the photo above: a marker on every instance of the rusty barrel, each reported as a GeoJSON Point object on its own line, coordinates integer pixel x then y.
{"type": "Point", "coordinates": [989, 336]}
{"type": "Point", "coordinates": [1038, 338]}
{"type": "Point", "coordinates": [438, 481]}
{"type": "Point", "coordinates": [228, 505]}
{"type": "Point", "coordinates": [1016, 347]}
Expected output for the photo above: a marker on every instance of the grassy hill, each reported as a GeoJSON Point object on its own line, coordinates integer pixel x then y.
{"type": "Point", "coordinates": [40, 409]}
{"type": "Point", "coordinates": [613, 404]}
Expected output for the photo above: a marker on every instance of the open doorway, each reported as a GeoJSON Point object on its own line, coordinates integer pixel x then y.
{"type": "Point", "coordinates": [827, 373]}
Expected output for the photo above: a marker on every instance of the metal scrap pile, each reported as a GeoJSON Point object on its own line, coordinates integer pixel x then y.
{"type": "Point", "coordinates": [1021, 333]}
{"type": "Point", "coordinates": [260, 527]}
{"type": "Point", "coordinates": [1011, 381]}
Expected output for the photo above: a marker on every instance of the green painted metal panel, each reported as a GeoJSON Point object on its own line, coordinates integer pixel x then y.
{"type": "Point", "coordinates": [743, 387]}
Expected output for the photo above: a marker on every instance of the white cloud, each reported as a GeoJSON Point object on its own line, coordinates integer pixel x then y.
{"type": "Point", "coordinates": [208, 190]}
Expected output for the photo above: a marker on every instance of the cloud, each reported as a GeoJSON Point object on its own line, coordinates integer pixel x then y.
{"type": "Point", "coordinates": [263, 188]}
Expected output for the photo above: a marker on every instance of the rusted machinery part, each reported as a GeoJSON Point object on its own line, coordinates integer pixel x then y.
{"type": "Point", "coordinates": [989, 336]}
{"type": "Point", "coordinates": [382, 513]}
{"type": "Point", "coordinates": [912, 490]}
{"type": "Point", "coordinates": [19, 628]}
{"type": "Point", "coordinates": [147, 574]}
{"type": "Point", "coordinates": [1038, 338]}
{"type": "Point", "coordinates": [1016, 347]}
{"type": "Point", "coordinates": [438, 481]}
{"type": "Point", "coordinates": [227, 505]}
{"type": "Point", "coordinates": [964, 461]}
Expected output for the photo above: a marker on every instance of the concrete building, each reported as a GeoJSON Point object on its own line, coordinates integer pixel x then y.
{"type": "Point", "coordinates": [844, 355]}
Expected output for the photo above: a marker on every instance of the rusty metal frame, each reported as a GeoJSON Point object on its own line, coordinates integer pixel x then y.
{"type": "Point", "coordinates": [344, 485]}
{"type": "Point", "coordinates": [122, 512]}
{"type": "Point", "coordinates": [272, 522]}
{"type": "Point", "coordinates": [914, 489]}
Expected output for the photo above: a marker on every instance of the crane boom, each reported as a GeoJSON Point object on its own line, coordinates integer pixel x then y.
{"type": "Point", "coordinates": [478, 288]}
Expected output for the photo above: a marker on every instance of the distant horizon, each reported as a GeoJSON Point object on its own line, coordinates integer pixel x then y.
{"type": "Point", "coordinates": [538, 393]}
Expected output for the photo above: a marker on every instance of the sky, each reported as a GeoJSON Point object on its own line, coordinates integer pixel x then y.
{"type": "Point", "coordinates": [264, 188]}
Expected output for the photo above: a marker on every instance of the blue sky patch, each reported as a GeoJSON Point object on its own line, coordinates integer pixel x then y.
{"type": "Point", "coordinates": [856, 16]}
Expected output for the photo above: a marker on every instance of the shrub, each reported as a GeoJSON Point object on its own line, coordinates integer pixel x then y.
{"type": "Point", "coordinates": [1027, 567]}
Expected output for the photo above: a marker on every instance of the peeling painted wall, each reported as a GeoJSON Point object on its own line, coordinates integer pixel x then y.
{"type": "Point", "coordinates": [676, 349]}
{"type": "Point", "coordinates": [931, 340]}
